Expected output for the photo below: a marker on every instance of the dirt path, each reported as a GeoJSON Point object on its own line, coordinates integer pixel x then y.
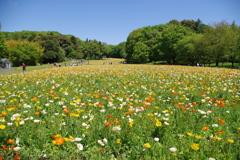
{"type": "Point", "coordinates": [6, 69]}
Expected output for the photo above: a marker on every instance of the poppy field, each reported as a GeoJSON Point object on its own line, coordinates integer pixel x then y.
{"type": "Point", "coordinates": [121, 112]}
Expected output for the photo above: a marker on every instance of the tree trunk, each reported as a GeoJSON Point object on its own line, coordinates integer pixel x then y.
{"type": "Point", "coordinates": [232, 64]}
{"type": "Point", "coordinates": [217, 63]}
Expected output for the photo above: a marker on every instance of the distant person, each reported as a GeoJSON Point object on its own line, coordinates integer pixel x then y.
{"type": "Point", "coordinates": [24, 67]}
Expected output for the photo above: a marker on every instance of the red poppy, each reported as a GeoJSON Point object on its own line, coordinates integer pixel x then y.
{"type": "Point", "coordinates": [101, 149]}
{"type": "Point", "coordinates": [109, 116]}
{"type": "Point", "coordinates": [220, 132]}
{"type": "Point", "coordinates": [5, 148]}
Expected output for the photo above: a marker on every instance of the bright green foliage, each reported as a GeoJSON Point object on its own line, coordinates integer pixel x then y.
{"type": "Point", "coordinates": [174, 21]}
{"type": "Point", "coordinates": [188, 51]}
{"type": "Point", "coordinates": [93, 50]}
{"type": "Point", "coordinates": [220, 40]}
{"type": "Point", "coordinates": [3, 47]}
{"type": "Point", "coordinates": [24, 53]}
{"type": "Point", "coordinates": [151, 37]}
{"type": "Point", "coordinates": [170, 36]}
{"type": "Point", "coordinates": [140, 53]}
{"type": "Point", "coordinates": [233, 51]}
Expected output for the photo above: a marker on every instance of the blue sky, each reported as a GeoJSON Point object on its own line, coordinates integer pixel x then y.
{"type": "Point", "coordinates": [109, 21]}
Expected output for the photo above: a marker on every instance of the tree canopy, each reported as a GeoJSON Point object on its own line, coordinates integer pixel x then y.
{"type": "Point", "coordinates": [185, 42]}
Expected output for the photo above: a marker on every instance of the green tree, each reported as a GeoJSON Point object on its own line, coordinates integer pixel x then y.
{"type": "Point", "coordinates": [140, 53]}
{"type": "Point", "coordinates": [65, 44]}
{"type": "Point", "coordinates": [170, 36]}
{"type": "Point", "coordinates": [52, 51]}
{"type": "Point", "coordinates": [233, 43]}
{"type": "Point", "coordinates": [191, 24]}
{"type": "Point", "coordinates": [174, 21]}
{"type": "Point", "coordinates": [188, 51]}
{"type": "Point", "coordinates": [119, 51]}
{"type": "Point", "coordinates": [150, 36]}
{"type": "Point", "coordinates": [24, 53]}
{"type": "Point", "coordinates": [218, 39]}
{"type": "Point", "coordinates": [134, 37]}
{"type": "Point", "coordinates": [92, 50]}
{"type": "Point", "coordinates": [3, 47]}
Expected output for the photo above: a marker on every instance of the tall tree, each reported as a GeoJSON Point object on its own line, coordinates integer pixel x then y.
{"type": "Point", "coordinates": [140, 53]}
{"type": "Point", "coordinates": [170, 36]}
{"type": "Point", "coordinates": [24, 53]}
{"type": "Point", "coordinates": [92, 50]}
{"type": "Point", "coordinates": [53, 52]}
{"type": "Point", "coordinates": [217, 41]}
{"type": "Point", "coordinates": [191, 24]}
{"type": "Point", "coordinates": [188, 51]}
{"type": "Point", "coordinates": [233, 45]}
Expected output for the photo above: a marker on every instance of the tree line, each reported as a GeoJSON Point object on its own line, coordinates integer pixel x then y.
{"type": "Point", "coordinates": [33, 47]}
{"type": "Point", "coordinates": [187, 42]}
{"type": "Point", "coordinates": [184, 42]}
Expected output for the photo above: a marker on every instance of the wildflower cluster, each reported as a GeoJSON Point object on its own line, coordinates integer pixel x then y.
{"type": "Point", "coordinates": [125, 111]}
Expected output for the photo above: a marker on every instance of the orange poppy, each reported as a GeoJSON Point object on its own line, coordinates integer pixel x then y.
{"type": "Point", "coordinates": [17, 157]}
{"type": "Point", "coordinates": [107, 124]}
{"type": "Point", "coordinates": [37, 112]}
{"type": "Point", "coordinates": [34, 99]}
{"type": "Point", "coordinates": [10, 141]}
{"type": "Point", "coordinates": [116, 121]}
{"type": "Point", "coordinates": [101, 149]}
{"type": "Point", "coordinates": [194, 103]}
{"type": "Point", "coordinates": [66, 111]}
{"type": "Point", "coordinates": [205, 128]}
{"type": "Point", "coordinates": [59, 141]}
{"type": "Point", "coordinates": [221, 121]}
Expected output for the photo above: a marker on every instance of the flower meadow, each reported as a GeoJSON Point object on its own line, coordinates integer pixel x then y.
{"type": "Point", "coordinates": [121, 112]}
